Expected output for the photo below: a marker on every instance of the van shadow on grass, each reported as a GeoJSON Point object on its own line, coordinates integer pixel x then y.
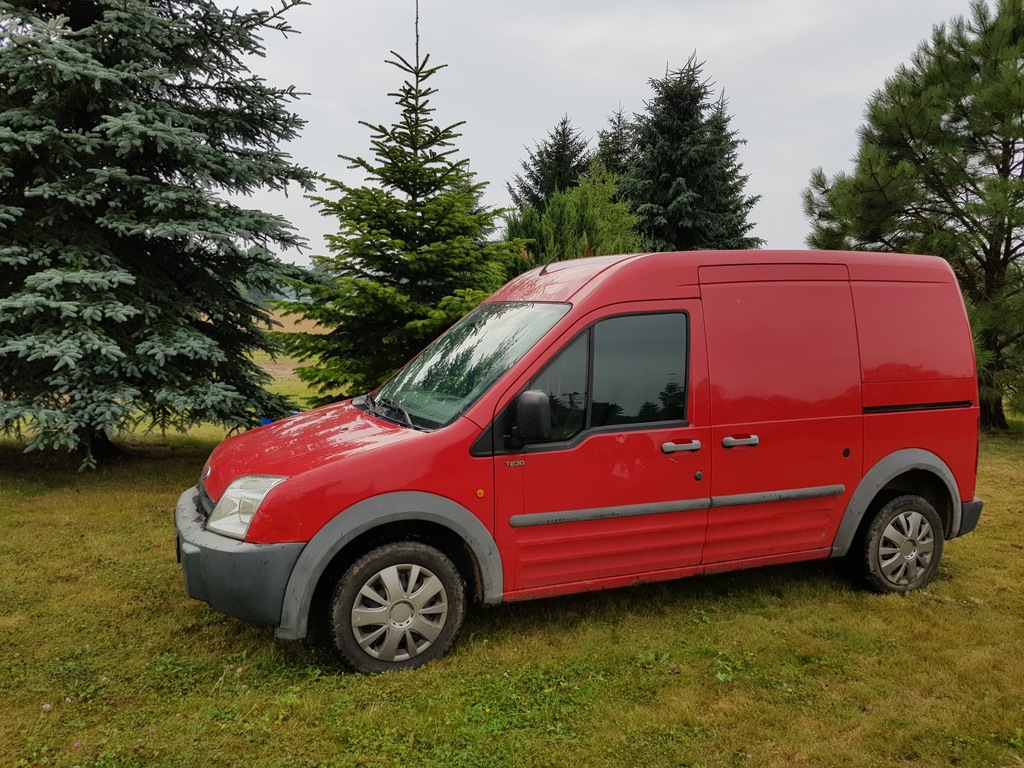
{"type": "Point", "coordinates": [693, 600]}
{"type": "Point", "coordinates": [518, 628]}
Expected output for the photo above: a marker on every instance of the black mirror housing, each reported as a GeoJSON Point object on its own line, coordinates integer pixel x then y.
{"type": "Point", "coordinates": [533, 419]}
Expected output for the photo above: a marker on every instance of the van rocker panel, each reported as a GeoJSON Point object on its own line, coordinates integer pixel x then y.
{"type": "Point", "coordinates": [363, 517]}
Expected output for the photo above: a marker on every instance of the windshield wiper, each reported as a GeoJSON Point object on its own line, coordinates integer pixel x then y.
{"type": "Point", "coordinates": [388, 403]}
{"type": "Point", "coordinates": [381, 406]}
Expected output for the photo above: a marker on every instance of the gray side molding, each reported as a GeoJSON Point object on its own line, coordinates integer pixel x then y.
{"type": "Point", "coordinates": [878, 476]}
{"type": "Point", "coordinates": [369, 514]}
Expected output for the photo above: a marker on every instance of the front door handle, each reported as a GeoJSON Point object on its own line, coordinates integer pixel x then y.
{"type": "Point", "coordinates": [693, 445]}
{"type": "Point", "coordinates": [736, 442]}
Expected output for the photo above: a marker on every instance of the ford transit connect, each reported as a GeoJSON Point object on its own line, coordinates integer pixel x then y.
{"type": "Point", "coordinates": [603, 422]}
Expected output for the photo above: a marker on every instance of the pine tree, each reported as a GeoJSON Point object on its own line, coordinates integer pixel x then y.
{"type": "Point", "coordinates": [554, 165]}
{"type": "Point", "coordinates": [123, 272]}
{"type": "Point", "coordinates": [940, 170]}
{"type": "Point", "coordinates": [685, 182]}
{"type": "Point", "coordinates": [410, 257]}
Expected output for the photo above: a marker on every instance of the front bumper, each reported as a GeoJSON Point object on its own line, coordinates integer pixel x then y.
{"type": "Point", "coordinates": [239, 579]}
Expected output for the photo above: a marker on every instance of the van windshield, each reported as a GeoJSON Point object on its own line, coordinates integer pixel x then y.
{"type": "Point", "coordinates": [438, 385]}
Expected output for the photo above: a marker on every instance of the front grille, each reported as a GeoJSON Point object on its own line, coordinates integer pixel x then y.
{"type": "Point", "coordinates": [205, 503]}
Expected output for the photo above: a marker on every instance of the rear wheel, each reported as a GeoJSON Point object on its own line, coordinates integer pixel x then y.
{"type": "Point", "coordinates": [397, 607]}
{"type": "Point", "coordinates": [902, 546]}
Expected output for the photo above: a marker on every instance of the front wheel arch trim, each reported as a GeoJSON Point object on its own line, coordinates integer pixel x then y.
{"type": "Point", "coordinates": [371, 513]}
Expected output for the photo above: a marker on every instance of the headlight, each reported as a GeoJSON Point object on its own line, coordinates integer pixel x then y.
{"type": "Point", "coordinates": [239, 503]}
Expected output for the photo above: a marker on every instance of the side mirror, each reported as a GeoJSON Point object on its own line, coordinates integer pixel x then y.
{"type": "Point", "coordinates": [533, 420]}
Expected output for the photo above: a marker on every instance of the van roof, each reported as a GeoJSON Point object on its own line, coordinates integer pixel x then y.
{"type": "Point", "coordinates": [676, 274]}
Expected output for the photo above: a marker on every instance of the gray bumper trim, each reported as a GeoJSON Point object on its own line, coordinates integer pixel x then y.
{"type": "Point", "coordinates": [239, 579]}
{"type": "Point", "coordinates": [969, 515]}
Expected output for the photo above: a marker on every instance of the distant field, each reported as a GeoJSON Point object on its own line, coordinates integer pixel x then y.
{"type": "Point", "coordinates": [294, 323]}
{"type": "Point", "coordinates": [283, 369]}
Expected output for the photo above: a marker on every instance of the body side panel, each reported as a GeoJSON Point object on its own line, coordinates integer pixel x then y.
{"type": "Point", "coordinates": [612, 503]}
{"type": "Point", "coordinates": [919, 370]}
{"type": "Point", "coordinates": [785, 379]}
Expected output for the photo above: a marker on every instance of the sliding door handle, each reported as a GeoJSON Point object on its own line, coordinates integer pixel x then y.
{"type": "Point", "coordinates": [736, 442]}
{"type": "Point", "coordinates": [693, 445]}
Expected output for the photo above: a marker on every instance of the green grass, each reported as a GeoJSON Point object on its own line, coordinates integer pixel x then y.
{"type": "Point", "coordinates": [105, 662]}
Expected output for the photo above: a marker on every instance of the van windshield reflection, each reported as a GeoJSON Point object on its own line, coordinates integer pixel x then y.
{"type": "Point", "coordinates": [438, 385]}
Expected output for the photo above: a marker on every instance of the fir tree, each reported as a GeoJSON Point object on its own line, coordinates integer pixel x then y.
{"type": "Point", "coordinates": [555, 165]}
{"type": "Point", "coordinates": [616, 145]}
{"type": "Point", "coordinates": [685, 182]}
{"type": "Point", "coordinates": [410, 257]}
{"type": "Point", "coordinates": [123, 272]}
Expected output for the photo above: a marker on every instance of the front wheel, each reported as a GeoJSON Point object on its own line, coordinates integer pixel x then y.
{"type": "Point", "coordinates": [397, 607]}
{"type": "Point", "coordinates": [902, 546]}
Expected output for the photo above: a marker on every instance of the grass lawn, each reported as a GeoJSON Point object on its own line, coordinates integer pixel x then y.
{"type": "Point", "coordinates": [105, 662]}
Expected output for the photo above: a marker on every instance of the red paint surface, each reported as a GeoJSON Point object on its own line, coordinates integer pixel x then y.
{"type": "Point", "coordinates": [790, 347]}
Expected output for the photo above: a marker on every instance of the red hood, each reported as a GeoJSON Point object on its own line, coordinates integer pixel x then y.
{"type": "Point", "coordinates": [296, 444]}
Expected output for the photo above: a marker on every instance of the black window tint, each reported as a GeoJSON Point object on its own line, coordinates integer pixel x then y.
{"type": "Point", "coordinates": [565, 382]}
{"type": "Point", "coordinates": [639, 370]}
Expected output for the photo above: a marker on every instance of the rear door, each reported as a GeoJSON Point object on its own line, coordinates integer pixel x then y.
{"type": "Point", "coordinates": [786, 402]}
{"type": "Point", "coordinates": [621, 491]}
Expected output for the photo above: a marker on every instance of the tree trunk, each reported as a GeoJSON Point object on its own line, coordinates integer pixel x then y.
{"type": "Point", "coordinates": [99, 447]}
{"type": "Point", "coordinates": [992, 414]}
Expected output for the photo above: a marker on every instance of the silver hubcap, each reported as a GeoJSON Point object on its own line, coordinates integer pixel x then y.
{"type": "Point", "coordinates": [907, 547]}
{"type": "Point", "coordinates": [399, 612]}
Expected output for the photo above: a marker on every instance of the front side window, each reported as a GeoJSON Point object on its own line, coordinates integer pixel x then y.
{"type": "Point", "coordinates": [566, 383]}
{"type": "Point", "coordinates": [621, 371]}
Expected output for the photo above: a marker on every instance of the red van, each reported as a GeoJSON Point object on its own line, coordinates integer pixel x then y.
{"type": "Point", "coordinates": [603, 422]}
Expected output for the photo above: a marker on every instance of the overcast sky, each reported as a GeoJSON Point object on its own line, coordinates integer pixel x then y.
{"type": "Point", "coordinates": [796, 74]}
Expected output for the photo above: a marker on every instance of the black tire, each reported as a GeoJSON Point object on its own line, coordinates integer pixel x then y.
{"type": "Point", "coordinates": [397, 607]}
{"type": "Point", "coordinates": [902, 546]}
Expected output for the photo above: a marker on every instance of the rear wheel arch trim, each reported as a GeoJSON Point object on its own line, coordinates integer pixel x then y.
{"type": "Point", "coordinates": [880, 475]}
{"type": "Point", "coordinates": [374, 512]}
